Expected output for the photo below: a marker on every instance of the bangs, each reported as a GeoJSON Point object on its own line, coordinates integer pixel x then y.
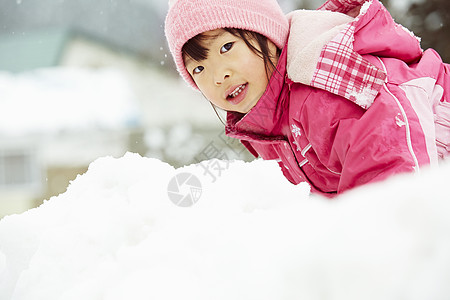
{"type": "Point", "coordinates": [194, 48]}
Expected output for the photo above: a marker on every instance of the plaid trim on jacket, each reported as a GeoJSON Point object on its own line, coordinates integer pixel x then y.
{"type": "Point", "coordinates": [340, 69]}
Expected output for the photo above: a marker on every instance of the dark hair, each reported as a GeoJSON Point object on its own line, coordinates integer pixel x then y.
{"type": "Point", "coordinates": [194, 49]}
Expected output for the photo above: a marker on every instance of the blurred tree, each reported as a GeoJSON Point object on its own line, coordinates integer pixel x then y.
{"type": "Point", "coordinates": [430, 20]}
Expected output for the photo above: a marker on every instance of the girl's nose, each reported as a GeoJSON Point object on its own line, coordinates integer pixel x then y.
{"type": "Point", "coordinates": [220, 78]}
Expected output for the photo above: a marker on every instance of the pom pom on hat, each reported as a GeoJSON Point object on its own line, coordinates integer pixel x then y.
{"type": "Point", "coordinates": [188, 18]}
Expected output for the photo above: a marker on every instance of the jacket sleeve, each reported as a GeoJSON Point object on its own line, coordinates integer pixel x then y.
{"type": "Point", "coordinates": [370, 152]}
{"type": "Point", "coordinates": [377, 33]}
{"type": "Point", "coordinates": [361, 146]}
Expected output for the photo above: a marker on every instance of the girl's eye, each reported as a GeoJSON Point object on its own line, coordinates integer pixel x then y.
{"type": "Point", "coordinates": [198, 70]}
{"type": "Point", "coordinates": [226, 47]}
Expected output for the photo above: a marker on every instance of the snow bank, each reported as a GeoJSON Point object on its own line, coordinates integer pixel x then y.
{"type": "Point", "coordinates": [115, 234]}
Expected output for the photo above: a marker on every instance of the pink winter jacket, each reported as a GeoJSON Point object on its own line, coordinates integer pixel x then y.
{"type": "Point", "coordinates": [354, 100]}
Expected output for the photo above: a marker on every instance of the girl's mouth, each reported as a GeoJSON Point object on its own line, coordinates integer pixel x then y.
{"type": "Point", "coordinates": [237, 94]}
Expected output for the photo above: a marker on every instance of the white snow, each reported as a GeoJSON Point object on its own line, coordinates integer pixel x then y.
{"type": "Point", "coordinates": [363, 98]}
{"type": "Point", "coordinates": [114, 234]}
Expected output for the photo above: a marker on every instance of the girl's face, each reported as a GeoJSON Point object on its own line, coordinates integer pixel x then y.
{"type": "Point", "coordinates": [232, 76]}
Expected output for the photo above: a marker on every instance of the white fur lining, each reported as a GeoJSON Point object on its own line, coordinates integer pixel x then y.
{"type": "Point", "coordinates": [310, 31]}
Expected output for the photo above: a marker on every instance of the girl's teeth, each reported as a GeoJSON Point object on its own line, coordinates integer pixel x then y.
{"type": "Point", "coordinates": [237, 91]}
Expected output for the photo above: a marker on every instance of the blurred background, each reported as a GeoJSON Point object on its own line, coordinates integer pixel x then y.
{"type": "Point", "coordinates": [84, 79]}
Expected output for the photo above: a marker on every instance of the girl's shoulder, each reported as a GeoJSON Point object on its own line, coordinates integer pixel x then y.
{"type": "Point", "coordinates": [325, 49]}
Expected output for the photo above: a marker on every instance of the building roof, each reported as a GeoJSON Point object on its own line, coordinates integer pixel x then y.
{"type": "Point", "coordinates": [35, 49]}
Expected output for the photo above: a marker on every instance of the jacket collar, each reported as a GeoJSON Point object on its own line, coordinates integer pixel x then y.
{"type": "Point", "coordinates": [266, 117]}
{"type": "Point", "coordinates": [321, 52]}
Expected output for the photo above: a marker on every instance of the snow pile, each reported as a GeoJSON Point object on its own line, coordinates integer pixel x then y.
{"type": "Point", "coordinates": [115, 234]}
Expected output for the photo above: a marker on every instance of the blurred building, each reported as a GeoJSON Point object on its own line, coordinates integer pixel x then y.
{"type": "Point", "coordinates": [69, 97]}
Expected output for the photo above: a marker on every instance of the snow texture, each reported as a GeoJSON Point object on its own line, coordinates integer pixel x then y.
{"type": "Point", "coordinates": [363, 98]}
{"type": "Point", "coordinates": [365, 7]}
{"type": "Point", "coordinates": [114, 234]}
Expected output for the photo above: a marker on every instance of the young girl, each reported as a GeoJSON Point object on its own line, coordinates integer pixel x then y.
{"type": "Point", "coordinates": [340, 96]}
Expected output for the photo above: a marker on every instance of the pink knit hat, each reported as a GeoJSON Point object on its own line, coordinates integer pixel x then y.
{"type": "Point", "coordinates": [188, 18]}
